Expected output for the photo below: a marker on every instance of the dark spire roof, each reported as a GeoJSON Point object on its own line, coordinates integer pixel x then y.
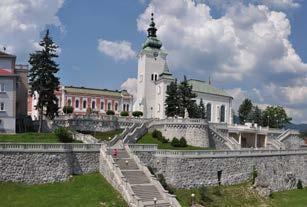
{"type": "Point", "coordinates": [152, 40]}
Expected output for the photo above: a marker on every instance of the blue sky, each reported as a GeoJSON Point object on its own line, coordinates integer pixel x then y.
{"type": "Point", "coordinates": [251, 48]}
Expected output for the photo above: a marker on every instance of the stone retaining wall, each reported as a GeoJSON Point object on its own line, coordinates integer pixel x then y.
{"type": "Point", "coordinates": [45, 167]}
{"type": "Point", "coordinates": [278, 171]}
{"type": "Point", "coordinates": [196, 133]}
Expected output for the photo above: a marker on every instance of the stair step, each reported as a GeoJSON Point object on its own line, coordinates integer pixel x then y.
{"type": "Point", "coordinates": [136, 177]}
{"type": "Point", "coordinates": [121, 154]}
{"type": "Point", "coordinates": [124, 166]}
{"type": "Point", "coordinates": [146, 192]}
{"type": "Point", "coordinates": [158, 204]}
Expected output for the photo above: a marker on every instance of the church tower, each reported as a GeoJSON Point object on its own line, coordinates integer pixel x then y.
{"type": "Point", "coordinates": [151, 64]}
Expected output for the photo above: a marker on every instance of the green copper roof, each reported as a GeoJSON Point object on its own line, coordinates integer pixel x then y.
{"type": "Point", "coordinates": [152, 40]}
{"type": "Point", "coordinates": [92, 91]}
{"type": "Point", "coordinates": [203, 87]}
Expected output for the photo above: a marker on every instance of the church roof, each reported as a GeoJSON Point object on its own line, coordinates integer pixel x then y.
{"type": "Point", "coordinates": [3, 54]}
{"type": "Point", "coordinates": [203, 87]}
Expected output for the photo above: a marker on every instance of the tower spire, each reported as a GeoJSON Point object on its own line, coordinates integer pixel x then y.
{"type": "Point", "coordinates": [152, 27]}
{"type": "Point", "coordinates": [152, 40]}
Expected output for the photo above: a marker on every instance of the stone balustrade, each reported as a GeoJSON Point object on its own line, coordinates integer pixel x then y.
{"type": "Point", "coordinates": [40, 147]}
{"type": "Point", "coordinates": [213, 153]}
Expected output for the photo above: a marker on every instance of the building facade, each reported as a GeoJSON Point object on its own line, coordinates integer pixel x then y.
{"type": "Point", "coordinates": [13, 92]}
{"type": "Point", "coordinates": [154, 77]}
{"type": "Point", "coordinates": [84, 100]}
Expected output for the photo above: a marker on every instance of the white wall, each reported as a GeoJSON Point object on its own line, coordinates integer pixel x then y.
{"type": "Point", "coordinates": [9, 99]}
{"type": "Point", "coordinates": [216, 103]}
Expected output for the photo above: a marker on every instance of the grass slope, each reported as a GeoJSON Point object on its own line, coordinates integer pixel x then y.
{"type": "Point", "coordinates": [81, 191]}
{"type": "Point", "coordinates": [104, 136]}
{"type": "Point", "coordinates": [148, 139]}
{"type": "Point", "coordinates": [242, 195]}
{"type": "Point", "coordinates": [29, 137]}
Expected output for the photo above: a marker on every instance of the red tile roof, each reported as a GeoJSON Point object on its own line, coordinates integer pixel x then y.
{"type": "Point", "coordinates": [5, 71]}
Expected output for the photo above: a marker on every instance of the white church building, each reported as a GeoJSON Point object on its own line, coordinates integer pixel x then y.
{"type": "Point", "coordinates": [154, 77]}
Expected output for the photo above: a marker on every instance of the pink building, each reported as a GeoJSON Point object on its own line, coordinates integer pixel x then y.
{"type": "Point", "coordinates": [82, 99]}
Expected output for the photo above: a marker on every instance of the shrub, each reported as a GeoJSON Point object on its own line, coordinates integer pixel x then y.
{"type": "Point", "coordinates": [254, 174]}
{"type": "Point", "coordinates": [175, 142]}
{"type": "Point", "coordinates": [124, 113]}
{"type": "Point", "coordinates": [164, 184]}
{"type": "Point", "coordinates": [151, 170]}
{"type": "Point", "coordinates": [299, 184]}
{"type": "Point", "coordinates": [88, 110]}
{"type": "Point", "coordinates": [137, 113]}
{"type": "Point", "coordinates": [68, 109]}
{"type": "Point", "coordinates": [217, 191]}
{"type": "Point", "coordinates": [63, 135]}
{"type": "Point", "coordinates": [156, 134]}
{"type": "Point", "coordinates": [183, 142]}
{"type": "Point", "coordinates": [110, 112]}
{"type": "Point", "coordinates": [163, 140]}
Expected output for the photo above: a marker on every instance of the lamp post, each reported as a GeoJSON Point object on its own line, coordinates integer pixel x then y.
{"type": "Point", "coordinates": [268, 121]}
{"type": "Point", "coordinates": [275, 115]}
{"type": "Point", "coordinates": [155, 201]}
{"type": "Point", "coordinates": [192, 197]}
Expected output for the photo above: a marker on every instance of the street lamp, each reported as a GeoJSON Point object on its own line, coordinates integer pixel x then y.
{"type": "Point", "coordinates": [268, 121]}
{"type": "Point", "coordinates": [155, 201]}
{"type": "Point", "coordinates": [193, 197]}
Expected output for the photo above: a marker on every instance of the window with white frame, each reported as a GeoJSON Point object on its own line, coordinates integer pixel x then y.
{"type": "Point", "coordinates": [2, 87]}
{"type": "Point", "coordinates": [116, 106]}
{"type": "Point", "coordinates": [84, 104]}
{"type": "Point", "coordinates": [109, 106]}
{"type": "Point", "coordinates": [2, 106]}
{"type": "Point", "coordinates": [93, 104]}
{"type": "Point", "coordinates": [77, 104]}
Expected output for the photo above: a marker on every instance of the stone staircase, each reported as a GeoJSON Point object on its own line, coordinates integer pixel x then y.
{"type": "Point", "coordinates": [133, 180]}
{"type": "Point", "coordinates": [230, 142]}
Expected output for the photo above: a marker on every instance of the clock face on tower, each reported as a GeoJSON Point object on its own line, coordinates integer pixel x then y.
{"type": "Point", "coordinates": [155, 54]}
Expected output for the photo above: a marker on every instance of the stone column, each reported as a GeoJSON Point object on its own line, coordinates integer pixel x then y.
{"type": "Point", "coordinates": [256, 137]}
{"type": "Point", "coordinates": [240, 139]}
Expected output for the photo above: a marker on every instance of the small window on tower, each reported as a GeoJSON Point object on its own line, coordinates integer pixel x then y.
{"type": "Point", "coordinates": [152, 77]}
{"type": "Point", "coordinates": [156, 77]}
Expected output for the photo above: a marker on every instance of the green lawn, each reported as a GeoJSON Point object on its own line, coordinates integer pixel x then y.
{"type": "Point", "coordinates": [104, 135]}
{"type": "Point", "coordinates": [148, 139]}
{"type": "Point", "coordinates": [242, 195]}
{"type": "Point", "coordinates": [29, 137]}
{"type": "Point", "coordinates": [81, 191]}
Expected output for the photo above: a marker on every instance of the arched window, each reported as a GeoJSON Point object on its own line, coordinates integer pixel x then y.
{"type": "Point", "coordinates": [127, 107]}
{"type": "Point", "coordinates": [124, 107]}
{"type": "Point", "coordinates": [222, 114]}
{"type": "Point", "coordinates": [116, 106]}
{"type": "Point", "coordinates": [68, 102]}
{"type": "Point", "coordinates": [208, 111]}
{"type": "Point", "coordinates": [109, 106]}
{"type": "Point", "coordinates": [156, 77]}
{"type": "Point", "coordinates": [2, 106]}
{"type": "Point", "coordinates": [101, 105]}
{"type": "Point", "coordinates": [152, 77]}
{"type": "Point", "coordinates": [84, 104]}
{"type": "Point", "coordinates": [93, 104]}
{"type": "Point", "coordinates": [77, 104]}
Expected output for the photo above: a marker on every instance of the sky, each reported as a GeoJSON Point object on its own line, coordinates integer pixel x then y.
{"type": "Point", "coordinates": [251, 48]}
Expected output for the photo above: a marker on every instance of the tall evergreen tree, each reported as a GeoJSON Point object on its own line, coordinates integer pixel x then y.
{"type": "Point", "coordinates": [202, 109]}
{"type": "Point", "coordinates": [186, 97]}
{"type": "Point", "coordinates": [244, 110]}
{"type": "Point", "coordinates": [258, 116]}
{"type": "Point", "coordinates": [42, 78]}
{"type": "Point", "coordinates": [172, 103]}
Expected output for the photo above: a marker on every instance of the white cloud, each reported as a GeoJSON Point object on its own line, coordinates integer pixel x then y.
{"type": "Point", "coordinates": [120, 50]}
{"type": "Point", "coordinates": [131, 86]}
{"type": "Point", "coordinates": [21, 22]}
{"type": "Point", "coordinates": [247, 48]}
